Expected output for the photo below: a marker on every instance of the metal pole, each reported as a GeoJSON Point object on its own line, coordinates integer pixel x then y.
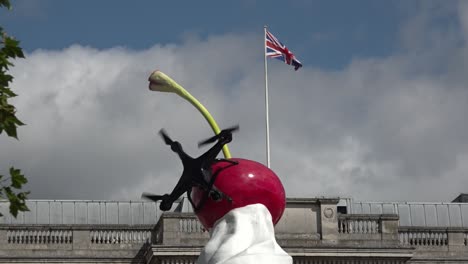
{"type": "Point", "coordinates": [61, 205]}
{"type": "Point", "coordinates": [410, 217]}
{"type": "Point", "coordinates": [143, 204]}
{"type": "Point", "coordinates": [449, 218]}
{"type": "Point", "coordinates": [461, 215]}
{"type": "Point", "coordinates": [424, 209]}
{"type": "Point", "coordinates": [131, 213]}
{"type": "Point", "coordinates": [74, 212]}
{"type": "Point", "coordinates": [100, 213]}
{"type": "Point", "coordinates": [266, 101]}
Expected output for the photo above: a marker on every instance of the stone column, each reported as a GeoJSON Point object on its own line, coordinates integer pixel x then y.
{"type": "Point", "coordinates": [328, 219]}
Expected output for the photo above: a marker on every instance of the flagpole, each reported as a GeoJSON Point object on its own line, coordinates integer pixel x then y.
{"type": "Point", "coordinates": [266, 101]}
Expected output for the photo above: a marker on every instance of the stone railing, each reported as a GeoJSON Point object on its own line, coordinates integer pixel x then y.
{"type": "Point", "coordinates": [61, 242]}
{"type": "Point", "coordinates": [113, 236]}
{"type": "Point", "coordinates": [420, 237]}
{"type": "Point", "coordinates": [368, 227]}
{"type": "Point", "coordinates": [39, 236]}
{"type": "Point", "coordinates": [191, 225]}
{"type": "Point", "coordinates": [359, 224]}
{"type": "Point", "coordinates": [436, 244]}
{"type": "Point", "coordinates": [434, 237]}
{"type": "Point", "coordinates": [175, 227]}
{"type": "Point", "coordinates": [180, 237]}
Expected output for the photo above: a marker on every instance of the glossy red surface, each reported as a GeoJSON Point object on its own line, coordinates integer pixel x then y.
{"type": "Point", "coordinates": [249, 182]}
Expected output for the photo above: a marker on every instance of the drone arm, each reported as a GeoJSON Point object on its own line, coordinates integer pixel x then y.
{"type": "Point", "coordinates": [177, 148]}
{"type": "Point", "coordinates": [153, 197]}
{"type": "Point", "coordinates": [214, 150]}
{"type": "Point", "coordinates": [182, 155]}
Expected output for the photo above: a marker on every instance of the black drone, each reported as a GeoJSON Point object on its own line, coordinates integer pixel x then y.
{"type": "Point", "coordinates": [197, 171]}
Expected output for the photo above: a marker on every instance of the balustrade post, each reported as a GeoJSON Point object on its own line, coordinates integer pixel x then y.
{"type": "Point", "coordinates": [3, 238]}
{"type": "Point", "coordinates": [171, 233]}
{"type": "Point", "coordinates": [81, 239]}
{"type": "Point", "coordinates": [388, 224]}
{"type": "Point", "coordinates": [328, 219]}
{"type": "Point", "coordinates": [456, 239]}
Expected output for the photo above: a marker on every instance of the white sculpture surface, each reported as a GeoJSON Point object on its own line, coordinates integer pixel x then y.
{"type": "Point", "coordinates": [244, 235]}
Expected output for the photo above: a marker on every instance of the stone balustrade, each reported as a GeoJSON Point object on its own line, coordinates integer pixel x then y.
{"type": "Point", "coordinates": [86, 242]}
{"type": "Point", "coordinates": [128, 236]}
{"type": "Point", "coordinates": [323, 243]}
{"type": "Point", "coordinates": [38, 236]}
{"type": "Point", "coordinates": [433, 237]}
{"type": "Point", "coordinates": [421, 237]}
{"type": "Point", "coordinates": [311, 230]}
{"type": "Point", "coordinates": [191, 225]}
{"type": "Point", "coordinates": [368, 227]}
{"type": "Point", "coordinates": [359, 224]}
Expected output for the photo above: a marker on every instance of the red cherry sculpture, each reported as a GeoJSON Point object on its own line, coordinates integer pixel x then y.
{"type": "Point", "coordinates": [247, 182]}
{"type": "Point", "coordinates": [218, 186]}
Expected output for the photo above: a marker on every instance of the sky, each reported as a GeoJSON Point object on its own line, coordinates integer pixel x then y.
{"type": "Point", "coordinates": [378, 112]}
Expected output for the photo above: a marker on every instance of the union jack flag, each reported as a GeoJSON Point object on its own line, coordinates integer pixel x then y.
{"type": "Point", "coordinates": [276, 49]}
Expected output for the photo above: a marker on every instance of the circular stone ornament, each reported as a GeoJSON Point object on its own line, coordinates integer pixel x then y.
{"type": "Point", "coordinates": [328, 212]}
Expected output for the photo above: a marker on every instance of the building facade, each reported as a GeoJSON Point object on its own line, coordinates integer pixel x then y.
{"type": "Point", "coordinates": [312, 231]}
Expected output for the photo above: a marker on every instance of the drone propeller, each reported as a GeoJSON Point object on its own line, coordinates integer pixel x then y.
{"type": "Point", "coordinates": [166, 138]}
{"type": "Point", "coordinates": [223, 133]}
{"type": "Point", "coordinates": [153, 197]}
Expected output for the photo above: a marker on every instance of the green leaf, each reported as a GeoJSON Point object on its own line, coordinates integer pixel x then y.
{"type": "Point", "coordinates": [17, 179]}
{"type": "Point", "coordinates": [10, 49]}
{"type": "Point", "coordinates": [17, 201]}
{"type": "Point", "coordinates": [8, 121]}
{"type": "Point", "coordinates": [11, 131]}
{"type": "Point", "coordinates": [9, 92]}
{"type": "Point", "coordinates": [5, 3]}
{"type": "Point", "coordinates": [18, 122]}
{"type": "Point", "coordinates": [13, 209]}
{"type": "Point", "coordinates": [5, 79]}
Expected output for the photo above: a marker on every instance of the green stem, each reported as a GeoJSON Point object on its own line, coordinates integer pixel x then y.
{"type": "Point", "coordinates": [163, 83]}
{"type": "Point", "coordinates": [187, 96]}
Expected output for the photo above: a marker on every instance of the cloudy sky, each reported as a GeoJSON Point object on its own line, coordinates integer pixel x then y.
{"type": "Point", "coordinates": [378, 112]}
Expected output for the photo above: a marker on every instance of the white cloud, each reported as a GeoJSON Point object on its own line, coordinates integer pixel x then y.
{"type": "Point", "coordinates": [382, 128]}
